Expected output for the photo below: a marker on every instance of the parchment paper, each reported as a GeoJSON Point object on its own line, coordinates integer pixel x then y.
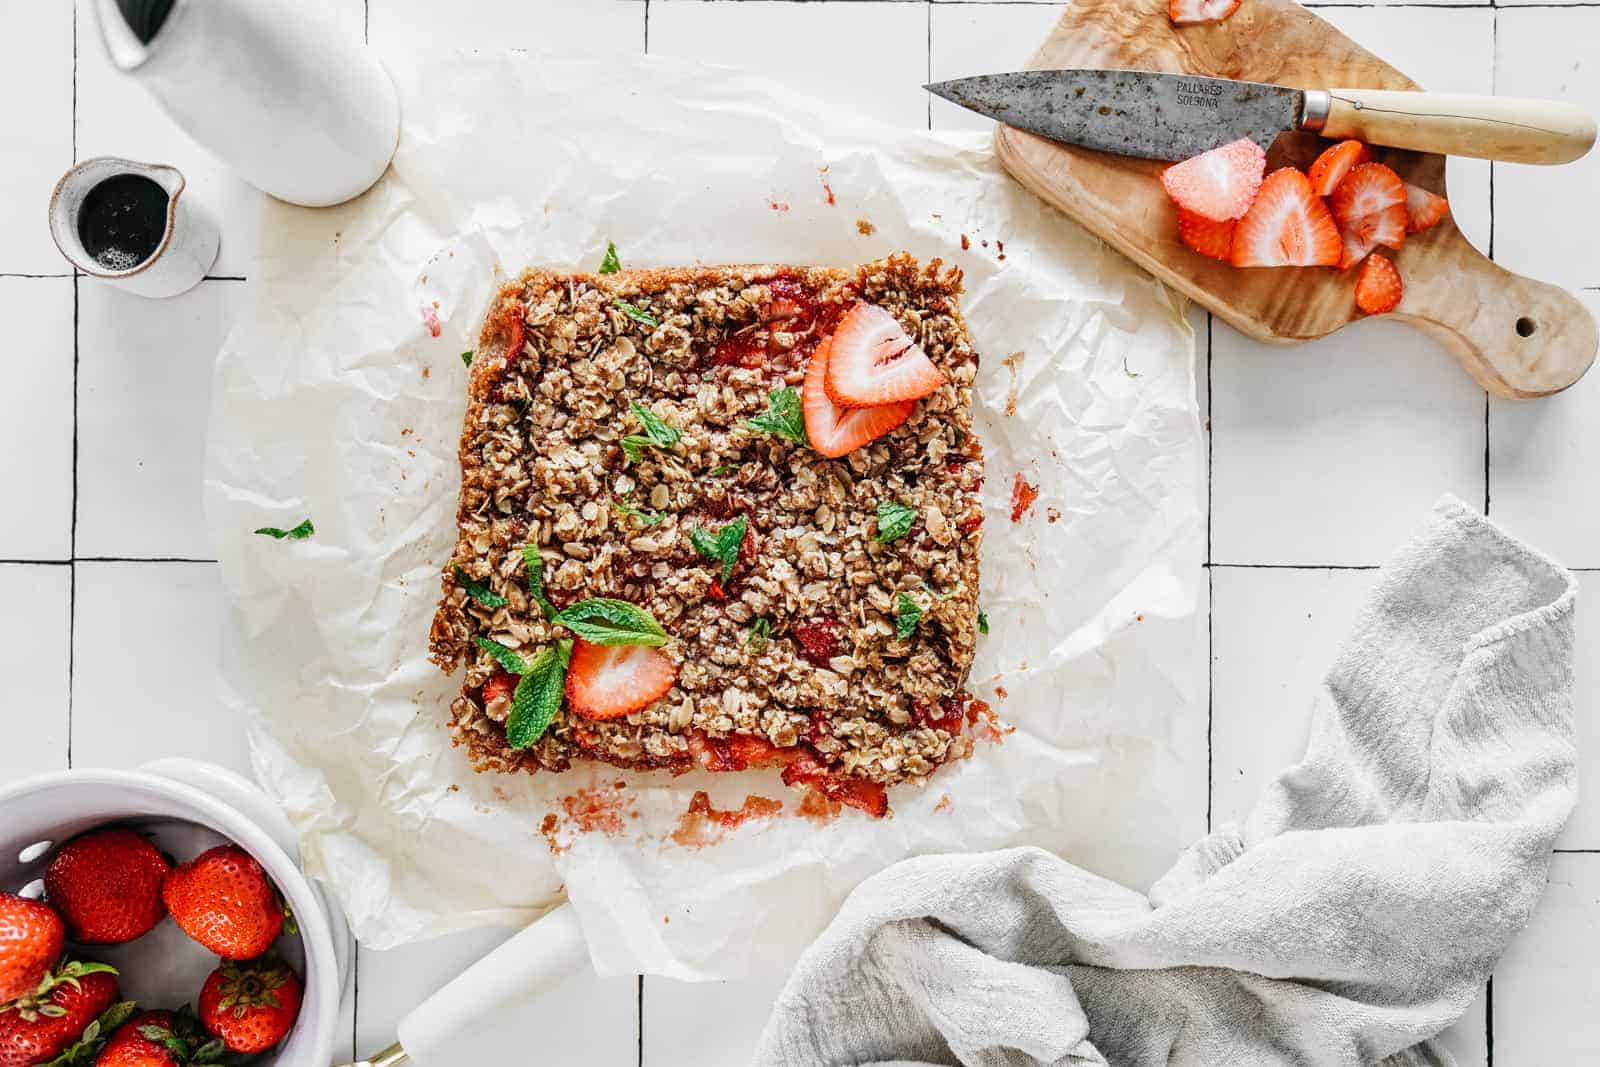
{"type": "Point", "coordinates": [332, 401]}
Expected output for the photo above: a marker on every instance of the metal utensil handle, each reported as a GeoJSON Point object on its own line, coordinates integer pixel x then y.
{"type": "Point", "coordinates": [534, 961]}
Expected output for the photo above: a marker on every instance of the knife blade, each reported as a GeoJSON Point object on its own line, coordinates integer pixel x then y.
{"type": "Point", "coordinates": [1175, 116]}
{"type": "Point", "coordinates": [1131, 112]}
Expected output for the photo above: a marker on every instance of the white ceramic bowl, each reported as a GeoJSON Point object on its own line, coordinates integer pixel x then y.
{"type": "Point", "coordinates": [187, 806]}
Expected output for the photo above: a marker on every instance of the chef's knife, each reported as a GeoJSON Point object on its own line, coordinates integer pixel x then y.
{"type": "Point", "coordinates": [1175, 116]}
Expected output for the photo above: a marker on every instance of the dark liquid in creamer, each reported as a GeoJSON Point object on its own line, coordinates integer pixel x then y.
{"type": "Point", "coordinates": [122, 221]}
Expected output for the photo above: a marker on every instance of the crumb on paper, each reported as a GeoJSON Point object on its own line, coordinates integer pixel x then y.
{"type": "Point", "coordinates": [430, 319]}
{"type": "Point", "coordinates": [777, 205]}
{"type": "Point", "coordinates": [1023, 494]}
{"type": "Point", "coordinates": [944, 803]}
{"type": "Point", "coordinates": [865, 227]}
{"type": "Point", "coordinates": [1000, 691]}
{"type": "Point", "coordinates": [454, 788]}
{"type": "Point", "coordinates": [1000, 246]}
{"type": "Point", "coordinates": [1139, 618]}
{"type": "Point", "coordinates": [703, 825]}
{"type": "Point", "coordinates": [1052, 514]}
{"type": "Point", "coordinates": [548, 828]}
{"type": "Point", "coordinates": [818, 808]}
{"type": "Point", "coordinates": [405, 431]}
{"type": "Point", "coordinates": [985, 242]}
{"type": "Point", "coordinates": [427, 372]}
{"type": "Point", "coordinates": [966, 243]}
{"type": "Point", "coordinates": [1013, 363]}
{"type": "Point", "coordinates": [826, 188]}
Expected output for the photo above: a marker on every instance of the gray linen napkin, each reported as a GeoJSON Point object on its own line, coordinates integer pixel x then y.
{"type": "Point", "coordinates": [1357, 912]}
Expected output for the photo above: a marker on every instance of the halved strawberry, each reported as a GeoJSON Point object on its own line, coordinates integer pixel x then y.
{"type": "Point", "coordinates": [1378, 286]}
{"type": "Point", "coordinates": [1423, 209]}
{"type": "Point", "coordinates": [1370, 208]}
{"type": "Point", "coordinates": [610, 681]}
{"type": "Point", "coordinates": [873, 361]}
{"type": "Point", "coordinates": [1208, 237]}
{"type": "Point", "coordinates": [1334, 163]}
{"type": "Point", "coordinates": [1185, 12]}
{"type": "Point", "coordinates": [1219, 184]}
{"type": "Point", "coordinates": [1287, 226]}
{"type": "Point", "coordinates": [835, 431]}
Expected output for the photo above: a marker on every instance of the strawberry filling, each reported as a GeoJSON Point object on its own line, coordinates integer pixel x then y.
{"type": "Point", "coordinates": [807, 769]}
{"type": "Point", "coordinates": [818, 640]}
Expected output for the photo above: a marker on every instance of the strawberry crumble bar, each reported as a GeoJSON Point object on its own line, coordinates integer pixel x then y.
{"type": "Point", "coordinates": [719, 516]}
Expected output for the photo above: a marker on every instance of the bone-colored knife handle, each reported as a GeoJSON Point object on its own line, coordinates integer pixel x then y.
{"type": "Point", "coordinates": [1456, 124]}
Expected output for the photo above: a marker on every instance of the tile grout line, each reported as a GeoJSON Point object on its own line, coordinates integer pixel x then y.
{"type": "Point", "coordinates": [1494, 79]}
{"type": "Point", "coordinates": [641, 1020]}
{"type": "Point", "coordinates": [72, 529]}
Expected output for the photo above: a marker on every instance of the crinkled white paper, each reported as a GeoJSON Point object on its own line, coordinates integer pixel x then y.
{"type": "Point", "coordinates": [333, 401]}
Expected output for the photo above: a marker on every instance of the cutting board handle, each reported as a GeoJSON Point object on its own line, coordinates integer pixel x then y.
{"type": "Point", "coordinates": [1458, 124]}
{"type": "Point", "coordinates": [1516, 336]}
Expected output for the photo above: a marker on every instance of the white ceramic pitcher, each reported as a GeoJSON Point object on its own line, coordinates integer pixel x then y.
{"type": "Point", "coordinates": [271, 87]}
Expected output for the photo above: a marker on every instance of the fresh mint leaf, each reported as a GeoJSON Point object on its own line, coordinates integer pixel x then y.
{"type": "Point", "coordinates": [610, 264]}
{"type": "Point", "coordinates": [1128, 370]}
{"type": "Point", "coordinates": [513, 663]}
{"type": "Point", "coordinates": [894, 521]}
{"type": "Point", "coordinates": [535, 565]}
{"type": "Point", "coordinates": [628, 511]}
{"type": "Point", "coordinates": [478, 591]}
{"type": "Point", "coordinates": [604, 621]}
{"type": "Point", "coordinates": [783, 417]}
{"type": "Point", "coordinates": [983, 623]}
{"type": "Point", "coordinates": [726, 468]}
{"type": "Point", "coordinates": [299, 533]}
{"type": "Point", "coordinates": [661, 435]}
{"type": "Point", "coordinates": [760, 630]}
{"type": "Point", "coordinates": [466, 359]}
{"type": "Point", "coordinates": [637, 314]}
{"type": "Point", "coordinates": [907, 614]}
{"type": "Point", "coordinates": [539, 694]}
{"type": "Point", "coordinates": [723, 546]}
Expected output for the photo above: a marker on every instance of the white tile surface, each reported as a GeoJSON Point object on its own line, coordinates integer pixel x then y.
{"type": "Point", "coordinates": [1329, 453]}
{"type": "Point", "coordinates": [1544, 1007]}
{"type": "Point", "coordinates": [875, 54]}
{"type": "Point", "coordinates": [36, 67]}
{"type": "Point", "coordinates": [589, 1020]}
{"type": "Point", "coordinates": [144, 383]}
{"type": "Point", "coordinates": [720, 1022]}
{"type": "Point", "coordinates": [34, 647]}
{"type": "Point", "coordinates": [36, 430]}
{"type": "Point", "coordinates": [1538, 227]}
{"type": "Point", "coordinates": [397, 25]}
{"type": "Point", "coordinates": [1541, 460]}
{"type": "Point", "coordinates": [144, 679]}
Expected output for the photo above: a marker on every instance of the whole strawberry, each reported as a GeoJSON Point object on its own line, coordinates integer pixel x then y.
{"type": "Point", "coordinates": [223, 899]}
{"type": "Point", "coordinates": [40, 1026]}
{"type": "Point", "coordinates": [30, 940]}
{"type": "Point", "coordinates": [250, 1006]}
{"type": "Point", "coordinates": [107, 886]}
{"type": "Point", "coordinates": [162, 1039]}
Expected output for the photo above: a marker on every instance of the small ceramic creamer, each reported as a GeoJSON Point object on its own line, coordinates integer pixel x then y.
{"type": "Point", "coordinates": [271, 87]}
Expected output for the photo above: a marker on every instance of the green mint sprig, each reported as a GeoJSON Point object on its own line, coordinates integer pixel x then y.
{"type": "Point", "coordinates": [907, 615]}
{"type": "Point", "coordinates": [605, 621]}
{"type": "Point", "coordinates": [894, 521]}
{"type": "Point", "coordinates": [637, 314]}
{"type": "Point", "coordinates": [479, 591]}
{"type": "Point", "coordinates": [983, 623]}
{"type": "Point", "coordinates": [539, 694]}
{"type": "Point", "coordinates": [628, 511]}
{"type": "Point", "coordinates": [657, 434]}
{"type": "Point", "coordinates": [535, 566]}
{"type": "Point", "coordinates": [466, 359]}
{"type": "Point", "coordinates": [723, 546]}
{"type": "Point", "coordinates": [299, 533]}
{"type": "Point", "coordinates": [784, 416]}
{"type": "Point", "coordinates": [760, 630]}
{"type": "Point", "coordinates": [610, 264]}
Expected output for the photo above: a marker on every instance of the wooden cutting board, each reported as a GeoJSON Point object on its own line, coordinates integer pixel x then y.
{"type": "Point", "coordinates": [1516, 336]}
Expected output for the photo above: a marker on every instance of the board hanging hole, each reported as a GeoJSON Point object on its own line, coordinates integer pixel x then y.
{"type": "Point", "coordinates": [1526, 327]}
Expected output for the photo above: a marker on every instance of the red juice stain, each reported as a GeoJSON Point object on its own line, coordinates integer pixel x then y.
{"type": "Point", "coordinates": [430, 319]}
{"type": "Point", "coordinates": [703, 824]}
{"type": "Point", "coordinates": [1022, 497]}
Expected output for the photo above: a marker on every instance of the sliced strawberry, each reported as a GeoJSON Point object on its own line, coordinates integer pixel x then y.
{"type": "Point", "coordinates": [873, 361]}
{"type": "Point", "coordinates": [807, 769]}
{"type": "Point", "coordinates": [1287, 226]}
{"type": "Point", "coordinates": [610, 681]}
{"type": "Point", "coordinates": [1219, 184]}
{"type": "Point", "coordinates": [1188, 12]}
{"type": "Point", "coordinates": [835, 431]}
{"type": "Point", "coordinates": [752, 751]}
{"type": "Point", "coordinates": [1378, 286]}
{"type": "Point", "coordinates": [1370, 208]}
{"type": "Point", "coordinates": [1331, 167]}
{"type": "Point", "coordinates": [1208, 237]}
{"type": "Point", "coordinates": [1423, 209]}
